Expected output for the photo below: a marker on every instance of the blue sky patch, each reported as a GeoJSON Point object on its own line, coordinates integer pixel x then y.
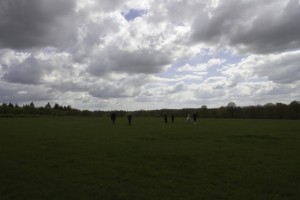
{"type": "Point", "coordinates": [131, 14]}
{"type": "Point", "coordinates": [203, 58]}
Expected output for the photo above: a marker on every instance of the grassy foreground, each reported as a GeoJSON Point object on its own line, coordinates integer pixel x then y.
{"type": "Point", "coordinates": [89, 158]}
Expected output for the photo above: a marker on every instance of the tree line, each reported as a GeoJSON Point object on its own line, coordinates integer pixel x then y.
{"type": "Point", "coordinates": [231, 110]}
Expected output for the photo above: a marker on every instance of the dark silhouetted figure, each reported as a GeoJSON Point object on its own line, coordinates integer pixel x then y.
{"type": "Point", "coordinates": [195, 118]}
{"type": "Point", "coordinates": [129, 117]}
{"type": "Point", "coordinates": [113, 117]}
{"type": "Point", "coordinates": [173, 118]}
{"type": "Point", "coordinates": [166, 118]}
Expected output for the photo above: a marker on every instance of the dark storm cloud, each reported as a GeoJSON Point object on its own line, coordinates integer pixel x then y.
{"type": "Point", "coordinates": [36, 23]}
{"type": "Point", "coordinates": [251, 26]}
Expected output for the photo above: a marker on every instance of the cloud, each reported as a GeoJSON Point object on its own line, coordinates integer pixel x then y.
{"type": "Point", "coordinates": [280, 68]}
{"type": "Point", "coordinates": [118, 86]}
{"type": "Point", "coordinates": [172, 54]}
{"type": "Point", "coordinates": [110, 90]}
{"type": "Point", "coordinates": [28, 72]}
{"type": "Point", "coordinates": [45, 66]}
{"type": "Point", "coordinates": [250, 26]}
{"type": "Point", "coordinates": [108, 5]}
{"type": "Point", "coordinates": [204, 92]}
{"type": "Point", "coordinates": [36, 23]}
{"type": "Point", "coordinates": [114, 59]}
{"type": "Point", "coordinates": [9, 57]}
{"type": "Point", "coordinates": [218, 82]}
{"type": "Point", "coordinates": [202, 67]}
{"type": "Point", "coordinates": [263, 92]}
{"type": "Point", "coordinates": [179, 12]}
{"type": "Point", "coordinates": [177, 88]}
{"type": "Point", "coordinates": [24, 93]}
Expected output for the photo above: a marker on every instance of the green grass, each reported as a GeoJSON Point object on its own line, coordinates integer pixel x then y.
{"type": "Point", "coordinates": [89, 158]}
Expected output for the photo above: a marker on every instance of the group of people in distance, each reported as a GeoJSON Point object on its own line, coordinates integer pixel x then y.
{"type": "Point", "coordinates": [189, 119]}
{"type": "Point", "coordinates": [113, 118]}
{"type": "Point", "coordinates": [166, 118]}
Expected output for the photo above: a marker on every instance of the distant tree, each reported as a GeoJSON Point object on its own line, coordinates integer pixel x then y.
{"type": "Point", "coordinates": [31, 105]}
{"type": "Point", "coordinates": [11, 105]}
{"type": "Point", "coordinates": [57, 107]}
{"type": "Point", "coordinates": [231, 106]}
{"type": "Point", "coordinates": [281, 110]}
{"type": "Point", "coordinates": [29, 109]}
{"type": "Point", "coordinates": [269, 111]}
{"type": "Point", "coordinates": [203, 111]}
{"type": "Point", "coordinates": [294, 110]}
{"type": "Point", "coordinates": [295, 103]}
{"type": "Point", "coordinates": [48, 106]}
{"type": "Point", "coordinates": [4, 108]}
{"type": "Point", "coordinates": [269, 105]}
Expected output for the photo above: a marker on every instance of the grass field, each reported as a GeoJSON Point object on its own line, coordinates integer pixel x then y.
{"type": "Point", "coordinates": [89, 158]}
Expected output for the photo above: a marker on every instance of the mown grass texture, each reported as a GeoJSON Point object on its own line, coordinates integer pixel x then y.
{"type": "Point", "coordinates": [89, 158]}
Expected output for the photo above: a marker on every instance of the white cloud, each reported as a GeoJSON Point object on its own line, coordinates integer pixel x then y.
{"type": "Point", "coordinates": [45, 66]}
{"type": "Point", "coordinates": [207, 92]}
{"type": "Point", "coordinates": [280, 68]}
{"type": "Point", "coordinates": [202, 67]}
{"type": "Point", "coordinates": [85, 53]}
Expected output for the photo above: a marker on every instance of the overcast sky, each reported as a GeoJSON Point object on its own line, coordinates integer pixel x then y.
{"type": "Point", "coordinates": [149, 54]}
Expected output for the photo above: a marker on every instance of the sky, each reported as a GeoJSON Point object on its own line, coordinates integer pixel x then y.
{"type": "Point", "coordinates": [149, 54]}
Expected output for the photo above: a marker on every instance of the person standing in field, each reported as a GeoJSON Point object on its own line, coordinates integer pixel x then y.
{"type": "Point", "coordinates": [195, 118]}
{"type": "Point", "coordinates": [173, 118]}
{"type": "Point", "coordinates": [113, 117]}
{"type": "Point", "coordinates": [129, 117]}
{"type": "Point", "coordinates": [166, 119]}
{"type": "Point", "coordinates": [188, 119]}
